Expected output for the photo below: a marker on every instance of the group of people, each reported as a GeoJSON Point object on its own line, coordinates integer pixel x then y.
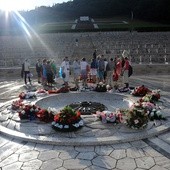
{"type": "Point", "coordinates": [46, 71]}
{"type": "Point", "coordinates": [112, 72]}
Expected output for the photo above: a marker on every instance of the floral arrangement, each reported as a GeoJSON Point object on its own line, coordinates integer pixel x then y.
{"type": "Point", "coordinates": [61, 90]}
{"type": "Point", "coordinates": [141, 91]}
{"type": "Point", "coordinates": [123, 89]}
{"type": "Point", "coordinates": [144, 110]}
{"type": "Point", "coordinates": [41, 92]}
{"type": "Point", "coordinates": [151, 97]}
{"type": "Point", "coordinates": [148, 106]}
{"type": "Point", "coordinates": [45, 115]}
{"type": "Point", "coordinates": [156, 115]}
{"type": "Point", "coordinates": [101, 87]}
{"type": "Point", "coordinates": [67, 120]}
{"type": "Point", "coordinates": [110, 117]}
{"type": "Point", "coordinates": [27, 95]}
{"type": "Point", "coordinates": [28, 111]}
{"type": "Point", "coordinates": [137, 117]}
{"type": "Point", "coordinates": [153, 110]}
{"type": "Point", "coordinates": [90, 80]}
{"type": "Point", "coordinates": [31, 112]}
{"type": "Point", "coordinates": [17, 104]}
{"type": "Point", "coordinates": [155, 95]}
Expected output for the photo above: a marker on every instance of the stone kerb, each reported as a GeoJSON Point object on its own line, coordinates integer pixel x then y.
{"type": "Point", "coordinates": [93, 133]}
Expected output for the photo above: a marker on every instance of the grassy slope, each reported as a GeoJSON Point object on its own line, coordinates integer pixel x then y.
{"type": "Point", "coordinates": [112, 23]}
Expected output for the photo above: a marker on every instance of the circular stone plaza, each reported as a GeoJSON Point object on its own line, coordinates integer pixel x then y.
{"type": "Point", "coordinates": [26, 144]}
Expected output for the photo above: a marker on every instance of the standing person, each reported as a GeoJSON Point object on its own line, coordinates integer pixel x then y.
{"type": "Point", "coordinates": [54, 69]}
{"type": "Point", "coordinates": [119, 72]}
{"type": "Point", "coordinates": [111, 69]}
{"type": "Point", "coordinates": [76, 72]}
{"type": "Point", "coordinates": [65, 66]}
{"type": "Point", "coordinates": [93, 70]}
{"type": "Point", "coordinates": [125, 71]}
{"type": "Point", "coordinates": [39, 70]}
{"type": "Point", "coordinates": [95, 54]}
{"type": "Point", "coordinates": [44, 72]}
{"type": "Point", "coordinates": [84, 71]}
{"type": "Point", "coordinates": [101, 67]}
{"type": "Point", "coordinates": [77, 42]}
{"type": "Point", "coordinates": [26, 71]}
{"type": "Point", "coordinates": [49, 73]}
{"type": "Point", "coordinates": [105, 69]}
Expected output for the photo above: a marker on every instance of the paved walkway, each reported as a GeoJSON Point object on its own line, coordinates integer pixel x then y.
{"type": "Point", "coordinates": [152, 153]}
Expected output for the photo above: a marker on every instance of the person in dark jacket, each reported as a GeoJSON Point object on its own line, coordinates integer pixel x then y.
{"type": "Point", "coordinates": [49, 73]}
{"type": "Point", "coordinates": [39, 70]}
{"type": "Point", "coordinates": [93, 70]}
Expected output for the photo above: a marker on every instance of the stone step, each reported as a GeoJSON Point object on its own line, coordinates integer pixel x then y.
{"type": "Point", "coordinates": [165, 137]}
{"type": "Point", "coordinates": [159, 145]}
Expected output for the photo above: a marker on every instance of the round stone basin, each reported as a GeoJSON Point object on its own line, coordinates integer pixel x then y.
{"type": "Point", "coordinates": [110, 100]}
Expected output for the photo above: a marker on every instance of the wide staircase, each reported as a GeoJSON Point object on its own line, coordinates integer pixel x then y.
{"type": "Point", "coordinates": [144, 48]}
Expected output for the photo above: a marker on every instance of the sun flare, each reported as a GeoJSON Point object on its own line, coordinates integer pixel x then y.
{"type": "Point", "coordinates": [14, 5]}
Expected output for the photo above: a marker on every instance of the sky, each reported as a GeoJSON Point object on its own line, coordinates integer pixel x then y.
{"type": "Point", "coordinates": [10, 5]}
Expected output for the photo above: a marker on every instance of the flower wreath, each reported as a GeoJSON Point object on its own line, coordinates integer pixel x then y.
{"type": "Point", "coordinates": [137, 117]}
{"type": "Point", "coordinates": [101, 87]}
{"type": "Point", "coordinates": [28, 111]}
{"type": "Point", "coordinates": [45, 115]}
{"type": "Point", "coordinates": [110, 117]}
{"type": "Point", "coordinates": [17, 104]}
{"type": "Point", "coordinates": [152, 97]}
{"type": "Point", "coordinates": [144, 110]}
{"type": "Point", "coordinates": [27, 95]}
{"type": "Point", "coordinates": [31, 112]}
{"type": "Point", "coordinates": [140, 91]}
{"type": "Point", "coordinates": [67, 120]}
{"type": "Point", "coordinates": [61, 90]}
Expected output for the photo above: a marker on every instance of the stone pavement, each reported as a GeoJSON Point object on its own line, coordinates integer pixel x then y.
{"type": "Point", "coordinates": [133, 153]}
{"type": "Point", "coordinates": [22, 155]}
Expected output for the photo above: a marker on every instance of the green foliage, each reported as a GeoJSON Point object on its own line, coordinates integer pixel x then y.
{"type": "Point", "coordinates": [67, 110]}
{"type": "Point", "coordinates": [152, 11]}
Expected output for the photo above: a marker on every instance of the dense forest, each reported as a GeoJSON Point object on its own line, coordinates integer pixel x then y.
{"type": "Point", "coordinates": [148, 10]}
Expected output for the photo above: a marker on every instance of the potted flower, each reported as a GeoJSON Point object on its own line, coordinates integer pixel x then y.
{"type": "Point", "coordinates": [67, 120]}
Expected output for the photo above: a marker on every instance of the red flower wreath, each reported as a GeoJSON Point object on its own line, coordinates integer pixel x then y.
{"type": "Point", "coordinates": [45, 116]}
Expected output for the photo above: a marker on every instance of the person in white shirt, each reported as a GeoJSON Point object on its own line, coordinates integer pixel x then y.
{"type": "Point", "coordinates": [84, 71]}
{"type": "Point", "coordinates": [76, 72]}
{"type": "Point", "coordinates": [65, 66]}
{"type": "Point", "coordinates": [25, 73]}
